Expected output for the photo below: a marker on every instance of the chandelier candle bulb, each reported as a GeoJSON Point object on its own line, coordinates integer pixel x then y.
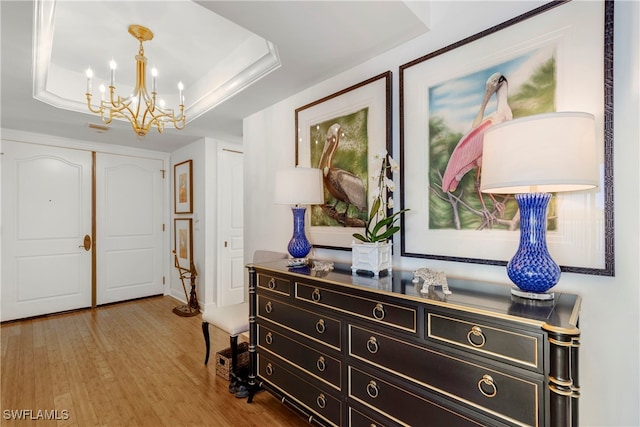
{"type": "Point", "coordinates": [154, 74]}
{"type": "Point", "coordinates": [180, 95]}
{"type": "Point", "coordinates": [102, 91]}
{"type": "Point", "coordinates": [113, 67]}
{"type": "Point", "coordinates": [89, 76]}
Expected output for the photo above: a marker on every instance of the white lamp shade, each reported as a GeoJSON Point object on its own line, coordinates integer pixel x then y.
{"type": "Point", "coordinates": [299, 186]}
{"type": "Point", "coordinates": [543, 153]}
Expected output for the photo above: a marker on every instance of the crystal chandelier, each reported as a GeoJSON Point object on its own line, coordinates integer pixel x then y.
{"type": "Point", "coordinates": [139, 108]}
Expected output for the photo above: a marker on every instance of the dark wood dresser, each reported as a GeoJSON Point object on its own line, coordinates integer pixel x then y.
{"type": "Point", "coordinates": [348, 350]}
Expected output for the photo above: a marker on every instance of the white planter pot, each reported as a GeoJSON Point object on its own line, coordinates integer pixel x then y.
{"type": "Point", "coordinates": [371, 257]}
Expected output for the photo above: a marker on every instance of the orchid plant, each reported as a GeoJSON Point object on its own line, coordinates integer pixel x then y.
{"type": "Point", "coordinates": [379, 227]}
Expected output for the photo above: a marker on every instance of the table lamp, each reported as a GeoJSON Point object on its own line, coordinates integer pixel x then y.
{"type": "Point", "coordinates": [532, 157]}
{"type": "Point", "coordinates": [298, 187]}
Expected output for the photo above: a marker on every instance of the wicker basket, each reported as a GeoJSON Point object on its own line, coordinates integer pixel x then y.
{"type": "Point", "coordinates": [223, 360]}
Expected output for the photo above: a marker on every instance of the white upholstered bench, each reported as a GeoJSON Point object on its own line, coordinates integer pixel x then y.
{"type": "Point", "coordinates": [234, 320]}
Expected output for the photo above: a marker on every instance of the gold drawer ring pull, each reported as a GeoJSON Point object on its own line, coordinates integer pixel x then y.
{"type": "Point", "coordinates": [269, 369]}
{"type": "Point", "coordinates": [378, 312]}
{"type": "Point", "coordinates": [372, 389]}
{"type": "Point", "coordinates": [487, 382]}
{"type": "Point", "coordinates": [372, 345]}
{"type": "Point", "coordinates": [321, 364]}
{"type": "Point", "coordinates": [269, 338]}
{"type": "Point", "coordinates": [315, 295]}
{"type": "Point", "coordinates": [320, 327]}
{"type": "Point", "coordinates": [268, 307]}
{"type": "Point", "coordinates": [321, 401]}
{"type": "Point", "coordinates": [476, 332]}
{"type": "Point", "coordinates": [272, 283]}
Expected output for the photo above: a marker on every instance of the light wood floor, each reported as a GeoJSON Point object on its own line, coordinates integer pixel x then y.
{"type": "Point", "coordinates": [129, 364]}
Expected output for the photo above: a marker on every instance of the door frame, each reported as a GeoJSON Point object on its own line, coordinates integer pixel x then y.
{"type": "Point", "coordinates": [221, 232]}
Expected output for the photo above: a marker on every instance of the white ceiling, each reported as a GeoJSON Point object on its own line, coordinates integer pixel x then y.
{"type": "Point", "coordinates": [313, 40]}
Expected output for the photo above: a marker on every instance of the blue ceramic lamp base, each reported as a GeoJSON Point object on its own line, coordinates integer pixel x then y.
{"type": "Point", "coordinates": [299, 246]}
{"type": "Point", "coordinates": [532, 269]}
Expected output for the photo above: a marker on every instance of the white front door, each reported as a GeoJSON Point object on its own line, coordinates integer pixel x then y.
{"type": "Point", "coordinates": [46, 214]}
{"type": "Point", "coordinates": [230, 287]}
{"type": "Point", "coordinates": [129, 206]}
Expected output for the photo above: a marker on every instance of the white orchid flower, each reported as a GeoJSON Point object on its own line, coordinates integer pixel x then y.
{"type": "Point", "coordinates": [382, 154]}
{"type": "Point", "coordinates": [389, 184]}
{"type": "Point", "coordinates": [395, 167]}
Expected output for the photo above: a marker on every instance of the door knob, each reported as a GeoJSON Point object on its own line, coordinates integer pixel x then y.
{"type": "Point", "coordinates": [86, 244]}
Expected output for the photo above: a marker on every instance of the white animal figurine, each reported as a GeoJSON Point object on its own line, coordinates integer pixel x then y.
{"type": "Point", "coordinates": [431, 278]}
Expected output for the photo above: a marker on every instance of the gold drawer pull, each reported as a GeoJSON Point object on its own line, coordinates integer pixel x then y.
{"type": "Point", "coordinates": [372, 389]}
{"type": "Point", "coordinates": [269, 338]}
{"type": "Point", "coordinates": [487, 386]}
{"type": "Point", "coordinates": [315, 295]}
{"type": "Point", "coordinates": [476, 332]}
{"type": "Point", "coordinates": [321, 401]}
{"type": "Point", "coordinates": [372, 345]}
{"type": "Point", "coordinates": [321, 364]}
{"type": "Point", "coordinates": [272, 283]}
{"type": "Point", "coordinates": [268, 307]}
{"type": "Point", "coordinates": [378, 311]}
{"type": "Point", "coordinates": [269, 369]}
{"type": "Point", "coordinates": [320, 327]}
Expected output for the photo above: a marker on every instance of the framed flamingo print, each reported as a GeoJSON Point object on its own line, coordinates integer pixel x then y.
{"type": "Point", "coordinates": [557, 57]}
{"type": "Point", "coordinates": [342, 134]}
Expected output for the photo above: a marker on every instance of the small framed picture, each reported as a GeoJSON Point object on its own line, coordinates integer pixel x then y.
{"type": "Point", "coordinates": [183, 187]}
{"type": "Point", "coordinates": [183, 243]}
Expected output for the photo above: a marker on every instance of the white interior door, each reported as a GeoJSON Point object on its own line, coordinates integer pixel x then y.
{"type": "Point", "coordinates": [46, 214]}
{"type": "Point", "coordinates": [129, 235]}
{"type": "Point", "coordinates": [230, 211]}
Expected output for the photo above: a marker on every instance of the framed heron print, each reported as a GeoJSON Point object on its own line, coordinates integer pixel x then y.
{"type": "Point", "coordinates": [557, 57]}
{"type": "Point", "coordinates": [343, 134]}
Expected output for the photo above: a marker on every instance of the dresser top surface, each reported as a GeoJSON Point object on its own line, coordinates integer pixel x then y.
{"type": "Point", "coordinates": [485, 298]}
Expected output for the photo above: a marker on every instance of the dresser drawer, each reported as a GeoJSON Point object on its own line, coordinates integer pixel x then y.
{"type": "Point", "coordinates": [396, 315]}
{"type": "Point", "coordinates": [400, 404]}
{"type": "Point", "coordinates": [279, 285]}
{"type": "Point", "coordinates": [317, 327]}
{"type": "Point", "coordinates": [524, 349]}
{"type": "Point", "coordinates": [318, 401]}
{"type": "Point", "coordinates": [507, 394]}
{"type": "Point", "coordinates": [317, 364]}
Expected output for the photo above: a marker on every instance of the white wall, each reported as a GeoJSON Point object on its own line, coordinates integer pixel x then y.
{"type": "Point", "coordinates": [610, 323]}
{"type": "Point", "coordinates": [194, 152]}
{"type": "Point", "coordinates": [204, 156]}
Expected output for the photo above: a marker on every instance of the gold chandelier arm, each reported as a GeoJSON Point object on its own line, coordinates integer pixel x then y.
{"type": "Point", "coordinates": [180, 122]}
{"type": "Point", "coordinates": [93, 110]}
